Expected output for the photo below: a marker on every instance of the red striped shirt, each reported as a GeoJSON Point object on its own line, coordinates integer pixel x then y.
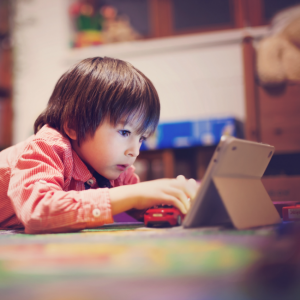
{"type": "Point", "coordinates": [42, 187]}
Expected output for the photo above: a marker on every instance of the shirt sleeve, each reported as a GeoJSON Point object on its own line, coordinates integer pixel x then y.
{"type": "Point", "coordinates": [37, 193]}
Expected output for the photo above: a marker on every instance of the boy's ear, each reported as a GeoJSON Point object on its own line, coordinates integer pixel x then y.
{"type": "Point", "coordinates": [70, 132]}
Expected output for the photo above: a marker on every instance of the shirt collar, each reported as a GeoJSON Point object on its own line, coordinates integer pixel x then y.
{"type": "Point", "coordinates": [80, 171]}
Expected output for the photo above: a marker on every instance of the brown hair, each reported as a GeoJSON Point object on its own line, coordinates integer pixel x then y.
{"type": "Point", "coordinates": [97, 88]}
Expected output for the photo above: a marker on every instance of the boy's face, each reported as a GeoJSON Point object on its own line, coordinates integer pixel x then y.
{"type": "Point", "coordinates": [112, 149]}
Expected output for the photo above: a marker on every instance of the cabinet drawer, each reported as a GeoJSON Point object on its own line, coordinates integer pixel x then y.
{"type": "Point", "coordinates": [280, 102]}
{"type": "Point", "coordinates": [282, 188]}
{"type": "Point", "coordinates": [279, 118]}
{"type": "Point", "coordinates": [282, 131]}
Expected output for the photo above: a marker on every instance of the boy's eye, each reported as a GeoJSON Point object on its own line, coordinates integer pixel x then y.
{"type": "Point", "coordinates": [124, 132]}
{"type": "Point", "coordinates": [143, 138]}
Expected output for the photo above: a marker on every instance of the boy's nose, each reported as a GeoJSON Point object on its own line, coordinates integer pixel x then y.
{"type": "Point", "coordinates": [133, 151]}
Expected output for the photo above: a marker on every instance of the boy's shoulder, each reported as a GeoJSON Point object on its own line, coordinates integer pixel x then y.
{"type": "Point", "coordinates": [45, 139]}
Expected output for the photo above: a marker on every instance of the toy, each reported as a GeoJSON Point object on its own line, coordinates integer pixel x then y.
{"type": "Point", "coordinates": [103, 25]}
{"type": "Point", "coordinates": [291, 213]}
{"type": "Point", "coordinates": [163, 215]}
{"type": "Point", "coordinates": [278, 54]}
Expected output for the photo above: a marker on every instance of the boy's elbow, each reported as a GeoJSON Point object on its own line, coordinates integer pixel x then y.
{"type": "Point", "coordinates": [34, 227]}
{"type": "Point", "coordinates": [51, 224]}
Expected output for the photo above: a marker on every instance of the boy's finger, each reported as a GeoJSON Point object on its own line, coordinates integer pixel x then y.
{"type": "Point", "coordinates": [177, 203]}
{"type": "Point", "coordinates": [188, 187]}
{"type": "Point", "coordinates": [181, 178]}
{"type": "Point", "coordinates": [182, 184]}
{"type": "Point", "coordinates": [177, 192]}
{"type": "Point", "coordinates": [192, 187]}
{"type": "Point", "coordinates": [181, 195]}
{"type": "Point", "coordinates": [192, 181]}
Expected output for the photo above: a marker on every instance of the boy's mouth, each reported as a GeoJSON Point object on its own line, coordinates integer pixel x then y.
{"type": "Point", "coordinates": [122, 167]}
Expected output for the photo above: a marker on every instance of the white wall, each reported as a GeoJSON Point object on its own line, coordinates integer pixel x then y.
{"type": "Point", "coordinates": [40, 45]}
{"type": "Point", "coordinates": [197, 76]}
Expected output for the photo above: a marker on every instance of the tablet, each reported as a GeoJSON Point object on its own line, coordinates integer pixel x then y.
{"type": "Point", "coordinates": [231, 191]}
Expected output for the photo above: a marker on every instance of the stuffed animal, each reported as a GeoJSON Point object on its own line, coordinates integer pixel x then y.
{"type": "Point", "coordinates": [278, 54]}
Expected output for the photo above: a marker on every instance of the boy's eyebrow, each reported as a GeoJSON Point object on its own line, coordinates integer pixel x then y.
{"type": "Point", "coordinates": [122, 123]}
{"type": "Point", "coordinates": [145, 134]}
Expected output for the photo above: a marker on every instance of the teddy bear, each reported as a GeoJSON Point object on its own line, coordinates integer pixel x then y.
{"type": "Point", "coordinates": [278, 54]}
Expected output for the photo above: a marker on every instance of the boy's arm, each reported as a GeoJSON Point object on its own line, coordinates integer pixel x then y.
{"type": "Point", "coordinates": [141, 196]}
{"type": "Point", "coordinates": [37, 193]}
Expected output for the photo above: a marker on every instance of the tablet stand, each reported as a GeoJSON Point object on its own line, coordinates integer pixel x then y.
{"type": "Point", "coordinates": [246, 201]}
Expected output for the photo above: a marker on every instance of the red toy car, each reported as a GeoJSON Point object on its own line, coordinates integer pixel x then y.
{"type": "Point", "coordinates": [163, 215]}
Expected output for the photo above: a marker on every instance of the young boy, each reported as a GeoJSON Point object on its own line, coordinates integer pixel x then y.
{"type": "Point", "coordinates": [76, 171]}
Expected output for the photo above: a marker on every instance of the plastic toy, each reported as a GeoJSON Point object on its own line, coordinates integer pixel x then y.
{"type": "Point", "coordinates": [163, 215]}
{"type": "Point", "coordinates": [291, 213]}
{"type": "Point", "coordinates": [278, 54]}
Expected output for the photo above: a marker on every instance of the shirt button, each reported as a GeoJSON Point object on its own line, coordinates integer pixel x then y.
{"type": "Point", "coordinates": [42, 181]}
{"type": "Point", "coordinates": [90, 182]}
{"type": "Point", "coordinates": [96, 212]}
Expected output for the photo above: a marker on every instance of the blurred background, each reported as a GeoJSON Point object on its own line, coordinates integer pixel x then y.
{"type": "Point", "coordinates": [201, 56]}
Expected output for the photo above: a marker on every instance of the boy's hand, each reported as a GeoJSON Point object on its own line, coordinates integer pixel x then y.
{"type": "Point", "coordinates": [176, 192]}
{"type": "Point", "coordinates": [192, 185]}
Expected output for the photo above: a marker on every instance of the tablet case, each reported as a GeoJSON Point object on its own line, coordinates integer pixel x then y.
{"type": "Point", "coordinates": [232, 197]}
{"type": "Point", "coordinates": [247, 202]}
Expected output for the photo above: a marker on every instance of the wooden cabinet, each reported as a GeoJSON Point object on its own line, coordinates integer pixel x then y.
{"type": "Point", "coordinates": [273, 117]}
{"type": "Point", "coordinates": [272, 114]}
